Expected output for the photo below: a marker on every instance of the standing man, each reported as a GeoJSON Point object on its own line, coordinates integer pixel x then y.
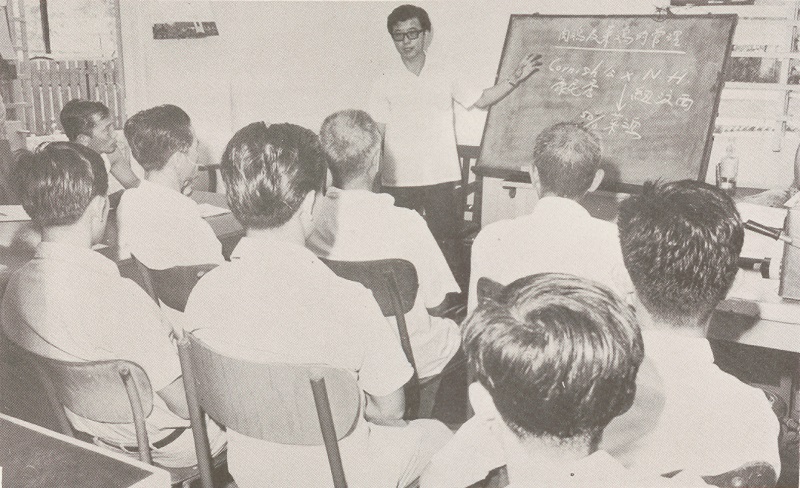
{"type": "Point", "coordinates": [413, 101]}
{"type": "Point", "coordinates": [90, 124]}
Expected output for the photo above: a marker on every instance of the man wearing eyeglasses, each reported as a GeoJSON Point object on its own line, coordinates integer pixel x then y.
{"type": "Point", "coordinates": [413, 100]}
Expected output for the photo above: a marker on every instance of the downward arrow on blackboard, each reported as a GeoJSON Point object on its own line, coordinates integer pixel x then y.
{"type": "Point", "coordinates": [621, 105]}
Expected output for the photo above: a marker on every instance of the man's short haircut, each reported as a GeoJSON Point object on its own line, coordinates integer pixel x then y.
{"type": "Point", "coordinates": [558, 354]}
{"type": "Point", "coordinates": [59, 180]}
{"type": "Point", "coordinates": [350, 139]}
{"type": "Point", "coordinates": [567, 156]}
{"type": "Point", "coordinates": [157, 133]}
{"type": "Point", "coordinates": [681, 243]}
{"type": "Point", "coordinates": [78, 117]}
{"type": "Point", "coordinates": [269, 170]}
{"type": "Point", "coordinates": [407, 12]}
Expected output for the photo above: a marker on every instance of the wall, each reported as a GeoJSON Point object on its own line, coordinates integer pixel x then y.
{"type": "Point", "coordinates": [300, 61]}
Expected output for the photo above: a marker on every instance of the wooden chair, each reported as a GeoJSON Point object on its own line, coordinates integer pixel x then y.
{"type": "Point", "coordinates": [276, 402]}
{"type": "Point", "coordinates": [394, 284]}
{"type": "Point", "coordinates": [487, 288]}
{"type": "Point", "coordinates": [171, 286]}
{"type": "Point", "coordinates": [467, 155]}
{"type": "Point", "coordinates": [113, 391]}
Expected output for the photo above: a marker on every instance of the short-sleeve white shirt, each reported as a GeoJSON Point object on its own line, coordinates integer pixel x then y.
{"type": "Point", "coordinates": [419, 142]}
{"type": "Point", "coordinates": [358, 225]}
{"type": "Point", "coordinates": [70, 303]}
{"type": "Point", "coordinates": [558, 236]}
{"type": "Point", "coordinates": [709, 423]}
{"type": "Point", "coordinates": [277, 301]}
{"type": "Point", "coordinates": [164, 228]}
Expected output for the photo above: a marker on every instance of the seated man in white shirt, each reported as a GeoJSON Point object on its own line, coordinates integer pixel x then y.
{"type": "Point", "coordinates": [559, 235]}
{"type": "Point", "coordinates": [276, 301]}
{"type": "Point", "coordinates": [157, 223]}
{"type": "Point", "coordinates": [90, 124]}
{"type": "Point", "coordinates": [351, 223]}
{"type": "Point", "coordinates": [555, 358]}
{"type": "Point", "coordinates": [70, 303]}
{"type": "Point", "coordinates": [681, 242]}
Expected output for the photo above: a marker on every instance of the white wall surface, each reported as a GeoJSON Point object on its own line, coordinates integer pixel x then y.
{"type": "Point", "coordinates": [300, 61]}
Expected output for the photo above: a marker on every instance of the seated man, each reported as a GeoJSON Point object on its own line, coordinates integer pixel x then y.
{"type": "Point", "coordinates": [555, 358]}
{"type": "Point", "coordinates": [70, 303]}
{"type": "Point", "coordinates": [559, 235]}
{"type": "Point", "coordinates": [275, 301]}
{"type": "Point", "coordinates": [354, 224]}
{"type": "Point", "coordinates": [157, 223]}
{"type": "Point", "coordinates": [682, 262]}
{"type": "Point", "coordinates": [90, 124]}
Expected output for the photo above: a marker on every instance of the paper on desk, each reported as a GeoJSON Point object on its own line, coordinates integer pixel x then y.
{"type": "Point", "coordinates": [207, 210]}
{"type": "Point", "coordinates": [755, 245]}
{"type": "Point", "coordinates": [13, 213]}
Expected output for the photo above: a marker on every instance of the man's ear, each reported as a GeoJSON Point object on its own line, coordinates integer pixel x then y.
{"type": "Point", "coordinates": [83, 139]}
{"type": "Point", "coordinates": [482, 402]}
{"type": "Point", "coordinates": [428, 39]}
{"type": "Point", "coordinates": [307, 207]}
{"type": "Point", "coordinates": [533, 172]}
{"type": "Point", "coordinates": [598, 178]}
{"type": "Point", "coordinates": [99, 208]}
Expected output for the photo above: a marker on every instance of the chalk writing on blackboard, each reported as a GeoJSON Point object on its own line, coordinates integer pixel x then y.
{"type": "Point", "coordinates": [648, 86]}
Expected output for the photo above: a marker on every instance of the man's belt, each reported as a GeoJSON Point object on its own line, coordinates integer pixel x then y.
{"type": "Point", "coordinates": [156, 445]}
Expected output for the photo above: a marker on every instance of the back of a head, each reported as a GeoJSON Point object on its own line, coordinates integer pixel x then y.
{"type": "Point", "coordinates": [558, 354]}
{"type": "Point", "coordinates": [408, 12]}
{"type": "Point", "coordinates": [350, 139]}
{"type": "Point", "coordinates": [58, 181]}
{"type": "Point", "coordinates": [78, 117]}
{"type": "Point", "coordinates": [567, 157]}
{"type": "Point", "coordinates": [157, 133]}
{"type": "Point", "coordinates": [681, 243]}
{"type": "Point", "coordinates": [269, 170]}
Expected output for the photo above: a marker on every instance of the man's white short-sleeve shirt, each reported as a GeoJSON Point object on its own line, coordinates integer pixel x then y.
{"type": "Point", "coordinates": [70, 303]}
{"type": "Point", "coordinates": [164, 228]}
{"type": "Point", "coordinates": [276, 301]}
{"type": "Point", "coordinates": [558, 236]}
{"type": "Point", "coordinates": [709, 423]}
{"type": "Point", "coordinates": [420, 141]}
{"type": "Point", "coordinates": [358, 225]}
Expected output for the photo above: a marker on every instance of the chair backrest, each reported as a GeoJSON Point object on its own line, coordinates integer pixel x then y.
{"type": "Point", "coordinates": [129, 268]}
{"type": "Point", "coordinates": [172, 286]}
{"type": "Point", "coordinates": [269, 401]}
{"type": "Point", "coordinates": [487, 288]}
{"type": "Point", "coordinates": [394, 284]}
{"type": "Point", "coordinates": [751, 475]}
{"type": "Point", "coordinates": [112, 391]}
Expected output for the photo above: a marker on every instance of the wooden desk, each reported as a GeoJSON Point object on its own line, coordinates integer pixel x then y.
{"type": "Point", "coordinates": [34, 457]}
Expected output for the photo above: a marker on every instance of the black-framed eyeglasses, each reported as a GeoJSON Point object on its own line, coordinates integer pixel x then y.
{"type": "Point", "coordinates": [412, 35]}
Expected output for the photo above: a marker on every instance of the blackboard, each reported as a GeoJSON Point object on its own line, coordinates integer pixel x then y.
{"type": "Point", "coordinates": [648, 85]}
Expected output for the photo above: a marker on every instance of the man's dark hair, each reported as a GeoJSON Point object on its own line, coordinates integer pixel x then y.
{"type": "Point", "coordinates": [269, 170]}
{"type": "Point", "coordinates": [157, 133]}
{"type": "Point", "coordinates": [558, 354]}
{"type": "Point", "coordinates": [78, 117]}
{"type": "Point", "coordinates": [407, 12]}
{"type": "Point", "coordinates": [350, 139]}
{"type": "Point", "coordinates": [567, 156]}
{"type": "Point", "coordinates": [58, 181]}
{"type": "Point", "coordinates": [681, 243]}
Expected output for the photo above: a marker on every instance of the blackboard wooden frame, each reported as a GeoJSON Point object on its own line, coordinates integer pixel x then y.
{"type": "Point", "coordinates": [617, 187]}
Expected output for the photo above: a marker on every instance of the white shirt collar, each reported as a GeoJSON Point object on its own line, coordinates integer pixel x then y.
{"type": "Point", "coordinates": [669, 345]}
{"type": "Point", "coordinates": [560, 205]}
{"type": "Point", "coordinates": [80, 256]}
{"type": "Point", "coordinates": [251, 248]}
{"type": "Point", "coordinates": [356, 197]}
